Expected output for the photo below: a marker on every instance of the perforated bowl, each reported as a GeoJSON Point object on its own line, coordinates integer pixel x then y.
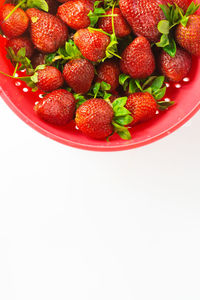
{"type": "Point", "coordinates": [21, 100]}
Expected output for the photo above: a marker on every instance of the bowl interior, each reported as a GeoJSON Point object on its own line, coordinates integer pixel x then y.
{"type": "Point", "coordinates": [21, 99]}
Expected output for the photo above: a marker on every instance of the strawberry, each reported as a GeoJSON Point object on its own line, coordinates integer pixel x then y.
{"type": "Point", "coordinates": [175, 68]}
{"type": "Point", "coordinates": [16, 24]}
{"type": "Point", "coordinates": [188, 36]}
{"type": "Point", "coordinates": [121, 27]}
{"type": "Point", "coordinates": [98, 118]}
{"type": "Point", "coordinates": [78, 74]}
{"type": "Point", "coordinates": [142, 106]}
{"type": "Point", "coordinates": [38, 59]}
{"type": "Point", "coordinates": [137, 59]}
{"type": "Point", "coordinates": [57, 108]}
{"type": "Point", "coordinates": [49, 79]}
{"type": "Point", "coordinates": [94, 118]}
{"type": "Point", "coordinates": [48, 33]}
{"type": "Point", "coordinates": [109, 72]}
{"type": "Point", "coordinates": [92, 44]}
{"type": "Point", "coordinates": [21, 42]}
{"type": "Point", "coordinates": [143, 17]}
{"type": "Point", "coordinates": [75, 13]}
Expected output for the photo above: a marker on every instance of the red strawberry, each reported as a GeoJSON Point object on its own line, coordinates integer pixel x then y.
{"type": "Point", "coordinates": [122, 28]}
{"type": "Point", "coordinates": [48, 32]}
{"type": "Point", "coordinates": [75, 13]}
{"type": "Point", "coordinates": [78, 74]}
{"type": "Point", "coordinates": [38, 59]}
{"type": "Point", "coordinates": [92, 44]}
{"type": "Point", "coordinates": [16, 24]}
{"type": "Point", "coordinates": [142, 106]}
{"type": "Point", "coordinates": [21, 42]}
{"type": "Point", "coordinates": [94, 118]}
{"type": "Point", "coordinates": [109, 72]}
{"type": "Point", "coordinates": [137, 59]}
{"type": "Point", "coordinates": [181, 3]}
{"type": "Point", "coordinates": [189, 37]}
{"type": "Point", "coordinates": [57, 108]}
{"type": "Point", "coordinates": [49, 79]}
{"type": "Point", "coordinates": [143, 16]}
{"type": "Point", "coordinates": [175, 68]}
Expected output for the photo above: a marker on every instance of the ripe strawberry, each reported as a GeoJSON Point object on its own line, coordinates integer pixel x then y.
{"type": "Point", "coordinates": [57, 108]}
{"type": "Point", "coordinates": [122, 28]}
{"type": "Point", "coordinates": [175, 68]}
{"type": "Point", "coordinates": [189, 37]}
{"type": "Point", "coordinates": [94, 118]}
{"type": "Point", "coordinates": [92, 44]}
{"type": "Point", "coordinates": [16, 24]}
{"type": "Point", "coordinates": [143, 16]}
{"type": "Point", "coordinates": [79, 74]}
{"type": "Point", "coordinates": [21, 42]}
{"type": "Point", "coordinates": [38, 59]}
{"type": "Point", "coordinates": [48, 32]}
{"type": "Point", "coordinates": [75, 13]}
{"type": "Point", "coordinates": [49, 79]}
{"type": "Point", "coordinates": [137, 59]}
{"type": "Point", "coordinates": [109, 72]}
{"type": "Point", "coordinates": [181, 3]}
{"type": "Point", "coordinates": [142, 106]}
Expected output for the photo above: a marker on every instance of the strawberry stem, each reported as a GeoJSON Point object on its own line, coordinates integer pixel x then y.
{"type": "Point", "coordinates": [15, 70]}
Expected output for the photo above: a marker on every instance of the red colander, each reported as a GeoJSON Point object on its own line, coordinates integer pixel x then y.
{"type": "Point", "coordinates": [21, 99]}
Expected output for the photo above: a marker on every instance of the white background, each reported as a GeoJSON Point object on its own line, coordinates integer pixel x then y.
{"type": "Point", "coordinates": [80, 225]}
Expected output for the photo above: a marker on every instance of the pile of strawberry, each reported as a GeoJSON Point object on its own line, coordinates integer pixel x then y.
{"type": "Point", "coordinates": [103, 64]}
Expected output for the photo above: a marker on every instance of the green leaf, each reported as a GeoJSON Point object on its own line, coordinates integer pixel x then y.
{"type": "Point", "coordinates": [80, 99]}
{"type": "Point", "coordinates": [34, 77]}
{"type": "Point", "coordinates": [123, 78]}
{"type": "Point", "coordinates": [105, 86]}
{"type": "Point", "coordinates": [106, 96]}
{"type": "Point", "coordinates": [119, 102]}
{"type": "Point", "coordinates": [121, 111]}
{"type": "Point", "coordinates": [171, 48]}
{"type": "Point", "coordinates": [96, 13]}
{"type": "Point", "coordinates": [40, 4]}
{"type": "Point", "coordinates": [40, 67]}
{"type": "Point", "coordinates": [163, 105]}
{"type": "Point", "coordinates": [157, 83]}
{"type": "Point", "coordinates": [96, 88]}
{"type": "Point", "coordinates": [192, 9]}
{"type": "Point", "coordinates": [166, 10]}
{"type": "Point", "coordinates": [122, 131]}
{"type": "Point", "coordinates": [184, 21]}
{"type": "Point", "coordinates": [160, 93]}
{"type": "Point", "coordinates": [124, 120]}
{"type": "Point", "coordinates": [21, 52]}
{"type": "Point", "coordinates": [132, 86]}
{"type": "Point", "coordinates": [163, 26]}
{"type": "Point", "coordinates": [164, 41]}
{"type": "Point", "coordinates": [137, 82]}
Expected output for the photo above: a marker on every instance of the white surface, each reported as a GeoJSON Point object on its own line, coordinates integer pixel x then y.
{"type": "Point", "coordinates": [83, 225]}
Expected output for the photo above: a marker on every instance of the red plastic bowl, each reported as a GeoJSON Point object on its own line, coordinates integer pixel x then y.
{"type": "Point", "coordinates": [21, 100]}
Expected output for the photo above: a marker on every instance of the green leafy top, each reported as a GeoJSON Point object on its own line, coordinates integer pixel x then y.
{"type": "Point", "coordinates": [97, 13]}
{"type": "Point", "coordinates": [110, 3]}
{"type": "Point", "coordinates": [154, 85]}
{"type": "Point", "coordinates": [174, 16]}
{"type": "Point", "coordinates": [122, 117]}
{"type": "Point", "coordinates": [20, 59]}
{"type": "Point", "coordinates": [59, 58]}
